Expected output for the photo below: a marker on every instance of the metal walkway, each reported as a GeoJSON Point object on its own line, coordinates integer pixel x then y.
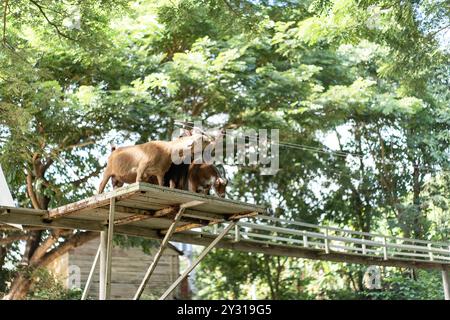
{"type": "Point", "coordinates": [283, 237]}
{"type": "Point", "coordinates": [269, 232]}
{"type": "Point", "coordinates": [174, 215]}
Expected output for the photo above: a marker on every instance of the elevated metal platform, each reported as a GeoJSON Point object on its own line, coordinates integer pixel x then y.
{"type": "Point", "coordinates": [140, 208]}
{"type": "Point", "coordinates": [165, 214]}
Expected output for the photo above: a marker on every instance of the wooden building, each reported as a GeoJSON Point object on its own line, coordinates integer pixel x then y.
{"type": "Point", "coordinates": [128, 265]}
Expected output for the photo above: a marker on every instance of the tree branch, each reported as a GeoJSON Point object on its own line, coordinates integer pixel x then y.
{"type": "Point", "coordinates": [54, 25]}
{"type": "Point", "coordinates": [231, 8]}
{"type": "Point", "coordinates": [57, 150]}
{"type": "Point", "coordinates": [44, 246]}
{"type": "Point", "coordinates": [30, 191]}
{"type": "Point", "coordinates": [47, 164]}
{"type": "Point", "coordinates": [78, 182]}
{"type": "Point", "coordinates": [31, 245]}
{"type": "Point", "coordinates": [78, 145]}
{"type": "Point", "coordinates": [74, 241]}
{"type": "Point", "coordinates": [10, 239]}
{"type": "Point", "coordinates": [5, 9]}
{"type": "Point", "coordinates": [432, 34]}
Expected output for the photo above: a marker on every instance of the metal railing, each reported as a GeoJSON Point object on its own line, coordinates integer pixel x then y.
{"type": "Point", "coordinates": [270, 230]}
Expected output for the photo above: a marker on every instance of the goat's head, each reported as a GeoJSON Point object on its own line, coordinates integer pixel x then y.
{"type": "Point", "coordinates": [220, 187]}
{"type": "Point", "coordinates": [188, 146]}
{"type": "Point", "coordinates": [196, 142]}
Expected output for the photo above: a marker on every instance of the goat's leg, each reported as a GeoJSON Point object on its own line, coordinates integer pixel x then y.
{"type": "Point", "coordinates": [140, 173]}
{"type": "Point", "coordinates": [152, 180]}
{"type": "Point", "coordinates": [105, 179]}
{"type": "Point", "coordinates": [193, 186]}
{"type": "Point", "coordinates": [116, 183]}
{"type": "Point", "coordinates": [160, 180]}
{"type": "Point", "coordinates": [119, 185]}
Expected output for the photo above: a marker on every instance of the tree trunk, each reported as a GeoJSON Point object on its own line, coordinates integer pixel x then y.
{"type": "Point", "coordinates": [268, 276]}
{"type": "Point", "coordinates": [3, 252]}
{"type": "Point", "coordinates": [20, 286]}
{"type": "Point", "coordinates": [38, 259]}
{"type": "Point", "coordinates": [42, 248]}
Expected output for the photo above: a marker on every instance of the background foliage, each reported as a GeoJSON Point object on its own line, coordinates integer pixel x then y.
{"type": "Point", "coordinates": [359, 86]}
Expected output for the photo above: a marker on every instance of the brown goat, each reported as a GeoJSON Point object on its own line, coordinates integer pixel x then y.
{"type": "Point", "coordinates": [203, 176]}
{"type": "Point", "coordinates": [140, 162]}
{"type": "Point", "coordinates": [199, 178]}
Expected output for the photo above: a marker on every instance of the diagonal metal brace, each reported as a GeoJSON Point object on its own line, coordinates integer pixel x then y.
{"type": "Point", "coordinates": [199, 259]}
{"type": "Point", "coordinates": [106, 245]}
{"type": "Point", "coordinates": [91, 274]}
{"type": "Point", "coordinates": [163, 246]}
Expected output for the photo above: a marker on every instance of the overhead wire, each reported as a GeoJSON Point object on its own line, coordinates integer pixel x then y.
{"type": "Point", "coordinates": [333, 152]}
